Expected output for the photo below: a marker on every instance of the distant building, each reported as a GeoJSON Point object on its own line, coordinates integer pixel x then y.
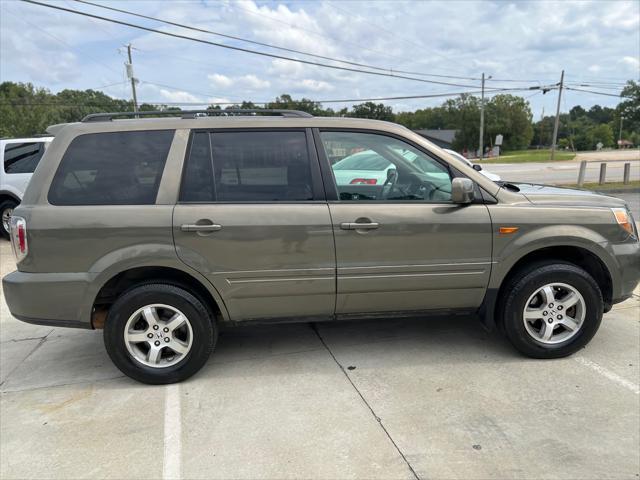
{"type": "Point", "coordinates": [625, 144]}
{"type": "Point", "coordinates": [442, 138]}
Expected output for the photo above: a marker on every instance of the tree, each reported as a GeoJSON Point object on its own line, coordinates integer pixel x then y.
{"type": "Point", "coordinates": [464, 113]}
{"type": "Point", "coordinates": [599, 114]}
{"type": "Point", "coordinates": [285, 101]}
{"type": "Point", "coordinates": [599, 134]}
{"type": "Point", "coordinates": [629, 108]}
{"type": "Point", "coordinates": [372, 110]}
{"type": "Point", "coordinates": [509, 116]}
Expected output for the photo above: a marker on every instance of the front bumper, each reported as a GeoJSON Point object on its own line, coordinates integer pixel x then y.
{"type": "Point", "coordinates": [53, 299]}
{"type": "Point", "coordinates": [627, 256]}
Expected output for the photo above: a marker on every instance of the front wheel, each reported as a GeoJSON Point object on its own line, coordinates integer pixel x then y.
{"type": "Point", "coordinates": [159, 333]}
{"type": "Point", "coordinates": [552, 310]}
{"type": "Point", "coordinates": [6, 210]}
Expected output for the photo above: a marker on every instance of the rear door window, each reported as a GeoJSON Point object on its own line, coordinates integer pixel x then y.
{"type": "Point", "coordinates": [112, 168]}
{"type": "Point", "coordinates": [22, 157]}
{"type": "Point", "coordinates": [248, 166]}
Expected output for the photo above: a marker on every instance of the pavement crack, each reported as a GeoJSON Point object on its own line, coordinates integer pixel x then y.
{"type": "Point", "coordinates": [314, 327]}
{"type": "Point", "coordinates": [42, 340]}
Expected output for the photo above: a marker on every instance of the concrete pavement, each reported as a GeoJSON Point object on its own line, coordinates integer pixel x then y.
{"type": "Point", "coordinates": [373, 399]}
{"type": "Point", "coordinates": [559, 173]}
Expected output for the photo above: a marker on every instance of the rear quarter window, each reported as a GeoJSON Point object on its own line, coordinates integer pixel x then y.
{"type": "Point", "coordinates": [112, 168]}
{"type": "Point", "coordinates": [22, 157]}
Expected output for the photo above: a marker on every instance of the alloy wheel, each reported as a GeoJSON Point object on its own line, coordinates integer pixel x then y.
{"type": "Point", "coordinates": [158, 335]}
{"type": "Point", "coordinates": [554, 313]}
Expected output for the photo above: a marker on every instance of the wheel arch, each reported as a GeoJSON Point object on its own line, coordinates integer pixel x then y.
{"type": "Point", "coordinates": [118, 283]}
{"type": "Point", "coordinates": [579, 256]}
{"type": "Point", "coordinates": [7, 195]}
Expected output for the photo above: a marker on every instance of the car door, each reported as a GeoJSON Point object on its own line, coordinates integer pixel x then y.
{"type": "Point", "coordinates": [252, 217]}
{"type": "Point", "coordinates": [403, 246]}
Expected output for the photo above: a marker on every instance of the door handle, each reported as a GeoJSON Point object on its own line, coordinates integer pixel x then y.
{"type": "Point", "coordinates": [359, 226]}
{"type": "Point", "coordinates": [200, 228]}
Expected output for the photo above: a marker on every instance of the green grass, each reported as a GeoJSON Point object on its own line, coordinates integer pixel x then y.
{"type": "Point", "coordinates": [523, 156]}
{"type": "Point", "coordinates": [632, 185]}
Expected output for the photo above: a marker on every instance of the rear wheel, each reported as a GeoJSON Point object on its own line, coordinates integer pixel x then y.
{"type": "Point", "coordinates": [6, 210]}
{"type": "Point", "coordinates": [552, 310]}
{"type": "Point", "coordinates": [158, 333]}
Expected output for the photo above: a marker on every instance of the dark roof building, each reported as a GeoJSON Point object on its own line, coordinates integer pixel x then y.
{"type": "Point", "coordinates": [442, 138]}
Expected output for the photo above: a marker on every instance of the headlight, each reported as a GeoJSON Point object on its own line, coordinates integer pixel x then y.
{"type": "Point", "coordinates": [624, 219]}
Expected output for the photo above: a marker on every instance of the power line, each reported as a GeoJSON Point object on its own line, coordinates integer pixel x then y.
{"type": "Point", "coordinates": [598, 93]}
{"type": "Point", "coordinates": [347, 100]}
{"type": "Point", "coordinates": [254, 42]}
{"type": "Point", "coordinates": [245, 50]}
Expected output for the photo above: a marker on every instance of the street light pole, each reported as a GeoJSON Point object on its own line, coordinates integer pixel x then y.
{"type": "Point", "coordinates": [482, 120]}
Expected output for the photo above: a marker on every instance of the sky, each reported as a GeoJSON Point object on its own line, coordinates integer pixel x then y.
{"type": "Point", "coordinates": [519, 44]}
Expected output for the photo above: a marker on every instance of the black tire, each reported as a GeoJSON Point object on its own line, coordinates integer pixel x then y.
{"type": "Point", "coordinates": [203, 325]}
{"type": "Point", "coordinates": [4, 206]}
{"type": "Point", "coordinates": [525, 283]}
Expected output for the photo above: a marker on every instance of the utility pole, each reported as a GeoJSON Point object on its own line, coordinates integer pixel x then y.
{"type": "Point", "coordinates": [482, 120]}
{"type": "Point", "coordinates": [620, 138]}
{"type": "Point", "coordinates": [541, 131]}
{"type": "Point", "coordinates": [557, 122]}
{"type": "Point", "coordinates": [133, 80]}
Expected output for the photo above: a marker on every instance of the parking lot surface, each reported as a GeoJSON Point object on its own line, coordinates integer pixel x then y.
{"type": "Point", "coordinates": [374, 399]}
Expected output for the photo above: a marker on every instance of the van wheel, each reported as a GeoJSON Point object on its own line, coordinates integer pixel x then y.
{"type": "Point", "coordinates": [158, 333]}
{"type": "Point", "coordinates": [552, 310]}
{"type": "Point", "coordinates": [6, 210]}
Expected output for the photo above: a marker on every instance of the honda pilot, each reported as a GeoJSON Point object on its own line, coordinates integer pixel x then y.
{"type": "Point", "coordinates": [161, 229]}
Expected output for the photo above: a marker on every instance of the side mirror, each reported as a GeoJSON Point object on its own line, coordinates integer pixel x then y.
{"type": "Point", "coordinates": [477, 168]}
{"type": "Point", "coordinates": [462, 190]}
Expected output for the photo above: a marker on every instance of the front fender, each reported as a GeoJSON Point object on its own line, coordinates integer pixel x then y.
{"type": "Point", "coordinates": [508, 251]}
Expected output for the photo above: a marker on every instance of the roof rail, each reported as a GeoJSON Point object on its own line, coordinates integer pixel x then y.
{"type": "Point", "coordinates": [107, 117]}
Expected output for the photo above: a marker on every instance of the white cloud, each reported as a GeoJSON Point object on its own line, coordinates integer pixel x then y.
{"type": "Point", "coordinates": [214, 100]}
{"type": "Point", "coordinates": [632, 62]}
{"type": "Point", "coordinates": [253, 83]}
{"type": "Point", "coordinates": [178, 96]}
{"type": "Point", "coordinates": [247, 82]}
{"type": "Point", "coordinates": [220, 81]}
{"type": "Point", "coordinates": [311, 85]}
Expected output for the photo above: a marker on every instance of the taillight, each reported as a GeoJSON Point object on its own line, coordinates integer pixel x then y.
{"type": "Point", "coordinates": [19, 243]}
{"type": "Point", "coordinates": [363, 181]}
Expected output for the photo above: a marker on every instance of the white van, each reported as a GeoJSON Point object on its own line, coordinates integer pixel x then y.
{"type": "Point", "coordinates": [19, 158]}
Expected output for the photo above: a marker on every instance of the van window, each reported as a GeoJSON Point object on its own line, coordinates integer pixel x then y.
{"type": "Point", "coordinates": [375, 167]}
{"type": "Point", "coordinates": [197, 183]}
{"type": "Point", "coordinates": [112, 168]}
{"type": "Point", "coordinates": [22, 157]}
{"type": "Point", "coordinates": [266, 166]}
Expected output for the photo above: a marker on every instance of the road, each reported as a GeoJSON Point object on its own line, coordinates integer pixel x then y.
{"type": "Point", "coordinates": [383, 399]}
{"type": "Point", "coordinates": [562, 172]}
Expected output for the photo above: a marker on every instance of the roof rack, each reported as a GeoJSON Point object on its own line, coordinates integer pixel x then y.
{"type": "Point", "coordinates": [107, 117]}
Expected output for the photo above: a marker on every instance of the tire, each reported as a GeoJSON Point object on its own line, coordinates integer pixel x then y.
{"type": "Point", "coordinates": [527, 290]}
{"type": "Point", "coordinates": [126, 333]}
{"type": "Point", "coordinates": [6, 207]}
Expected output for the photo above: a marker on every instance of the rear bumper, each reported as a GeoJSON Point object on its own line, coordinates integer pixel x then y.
{"type": "Point", "coordinates": [53, 299]}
